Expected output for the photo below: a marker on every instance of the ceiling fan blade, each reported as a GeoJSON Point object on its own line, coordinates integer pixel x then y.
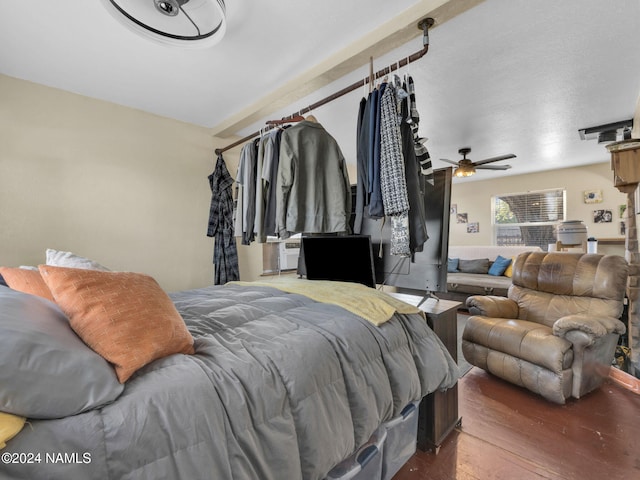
{"type": "Point", "coordinates": [495, 159]}
{"type": "Point", "coordinates": [494, 167]}
{"type": "Point", "coordinates": [448, 161]}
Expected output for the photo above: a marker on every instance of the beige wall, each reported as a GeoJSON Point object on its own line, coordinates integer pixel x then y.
{"type": "Point", "coordinates": [474, 198]}
{"type": "Point", "coordinates": [120, 186]}
{"type": "Point", "coordinates": [123, 187]}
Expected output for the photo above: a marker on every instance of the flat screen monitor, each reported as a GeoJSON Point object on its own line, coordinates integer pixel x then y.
{"type": "Point", "coordinates": [344, 258]}
{"type": "Point", "coordinates": [427, 269]}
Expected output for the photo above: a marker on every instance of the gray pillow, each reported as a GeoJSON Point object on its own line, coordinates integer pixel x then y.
{"type": "Point", "coordinates": [479, 265]}
{"type": "Point", "coordinates": [46, 371]}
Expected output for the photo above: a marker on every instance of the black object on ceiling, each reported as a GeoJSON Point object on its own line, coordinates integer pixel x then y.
{"type": "Point", "coordinates": [608, 132]}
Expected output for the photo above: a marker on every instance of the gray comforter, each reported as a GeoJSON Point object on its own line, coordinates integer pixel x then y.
{"type": "Point", "coordinates": [280, 387]}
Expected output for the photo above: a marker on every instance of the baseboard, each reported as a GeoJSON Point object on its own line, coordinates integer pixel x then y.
{"type": "Point", "coordinates": [625, 380]}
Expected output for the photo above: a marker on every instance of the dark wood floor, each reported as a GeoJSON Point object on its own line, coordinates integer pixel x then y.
{"type": "Point", "coordinates": [508, 433]}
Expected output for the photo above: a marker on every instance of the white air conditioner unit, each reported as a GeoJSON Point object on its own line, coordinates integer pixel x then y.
{"type": "Point", "coordinates": [289, 253]}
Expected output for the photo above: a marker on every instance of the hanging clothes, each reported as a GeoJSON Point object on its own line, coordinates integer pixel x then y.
{"type": "Point", "coordinates": [368, 190]}
{"type": "Point", "coordinates": [260, 199]}
{"type": "Point", "coordinates": [313, 189]}
{"type": "Point", "coordinates": [225, 253]}
{"type": "Point", "coordinates": [415, 183]}
{"type": "Point", "coordinates": [258, 223]}
{"type": "Point", "coordinates": [246, 178]}
{"type": "Point", "coordinates": [362, 179]}
{"type": "Point", "coordinates": [392, 173]}
{"type": "Point", "coordinates": [376, 206]}
{"type": "Point", "coordinates": [269, 177]}
{"type": "Point", "coordinates": [238, 209]}
{"type": "Point", "coordinates": [413, 118]}
{"type": "Point", "coordinates": [392, 156]}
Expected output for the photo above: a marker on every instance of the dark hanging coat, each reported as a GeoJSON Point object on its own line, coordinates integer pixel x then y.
{"type": "Point", "coordinates": [225, 252]}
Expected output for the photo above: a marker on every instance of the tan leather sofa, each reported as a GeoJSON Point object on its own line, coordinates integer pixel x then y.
{"type": "Point", "coordinates": [556, 331]}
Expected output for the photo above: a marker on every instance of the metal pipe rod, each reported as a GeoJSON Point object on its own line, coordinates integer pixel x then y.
{"type": "Point", "coordinates": [423, 25]}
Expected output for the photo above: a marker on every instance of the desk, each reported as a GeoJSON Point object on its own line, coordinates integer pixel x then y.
{"type": "Point", "coordinates": [438, 414]}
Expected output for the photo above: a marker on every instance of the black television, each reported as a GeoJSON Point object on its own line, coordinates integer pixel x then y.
{"type": "Point", "coordinates": [427, 270]}
{"type": "Point", "coordinates": [344, 258]}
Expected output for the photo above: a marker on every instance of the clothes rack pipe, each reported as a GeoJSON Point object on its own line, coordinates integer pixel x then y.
{"type": "Point", "coordinates": [423, 25]}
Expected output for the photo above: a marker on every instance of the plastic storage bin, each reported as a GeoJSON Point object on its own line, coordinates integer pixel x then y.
{"type": "Point", "coordinates": [400, 443]}
{"type": "Point", "coordinates": [365, 463]}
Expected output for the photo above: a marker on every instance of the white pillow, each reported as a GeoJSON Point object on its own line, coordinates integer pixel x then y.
{"type": "Point", "coordinates": [67, 259]}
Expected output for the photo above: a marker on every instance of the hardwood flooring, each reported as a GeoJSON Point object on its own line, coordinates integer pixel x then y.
{"type": "Point", "coordinates": [508, 433]}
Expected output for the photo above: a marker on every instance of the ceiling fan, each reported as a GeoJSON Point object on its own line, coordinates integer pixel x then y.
{"type": "Point", "coordinates": [466, 167]}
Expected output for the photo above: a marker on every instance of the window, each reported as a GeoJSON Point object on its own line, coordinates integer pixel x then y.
{"type": "Point", "coordinates": [528, 218]}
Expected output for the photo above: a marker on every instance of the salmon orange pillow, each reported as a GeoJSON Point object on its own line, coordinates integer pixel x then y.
{"type": "Point", "coordinates": [26, 281]}
{"type": "Point", "coordinates": [124, 317]}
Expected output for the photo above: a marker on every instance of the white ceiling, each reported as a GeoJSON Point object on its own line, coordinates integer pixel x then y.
{"type": "Point", "coordinates": [506, 76]}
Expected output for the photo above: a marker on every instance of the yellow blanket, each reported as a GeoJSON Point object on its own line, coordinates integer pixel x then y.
{"type": "Point", "coordinates": [10, 426]}
{"type": "Point", "coordinates": [368, 303]}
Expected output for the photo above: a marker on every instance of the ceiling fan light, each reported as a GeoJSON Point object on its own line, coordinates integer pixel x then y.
{"type": "Point", "coordinates": [464, 172]}
{"type": "Point", "coordinates": [183, 23]}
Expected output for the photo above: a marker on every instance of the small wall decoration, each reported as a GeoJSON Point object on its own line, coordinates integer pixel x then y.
{"type": "Point", "coordinates": [623, 228]}
{"type": "Point", "coordinates": [602, 216]}
{"type": "Point", "coordinates": [593, 196]}
{"type": "Point", "coordinates": [461, 217]}
{"type": "Point", "coordinates": [622, 210]}
{"type": "Point", "coordinates": [473, 227]}
{"type": "Point", "coordinates": [454, 209]}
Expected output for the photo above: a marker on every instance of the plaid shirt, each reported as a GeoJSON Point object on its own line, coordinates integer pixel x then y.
{"type": "Point", "coordinates": [225, 252]}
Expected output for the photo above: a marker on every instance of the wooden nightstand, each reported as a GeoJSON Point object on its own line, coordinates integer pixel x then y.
{"type": "Point", "coordinates": [439, 410]}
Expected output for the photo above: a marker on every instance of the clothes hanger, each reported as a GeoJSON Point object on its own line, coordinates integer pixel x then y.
{"type": "Point", "coordinates": [411, 91]}
{"type": "Point", "coordinates": [311, 117]}
{"type": "Point", "coordinates": [396, 67]}
{"type": "Point", "coordinates": [397, 79]}
{"type": "Point", "coordinates": [371, 75]}
{"type": "Point", "coordinates": [385, 79]}
{"type": "Point", "coordinates": [292, 119]}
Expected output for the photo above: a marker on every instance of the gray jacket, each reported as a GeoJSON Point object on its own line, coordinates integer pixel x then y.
{"type": "Point", "coordinates": [313, 189]}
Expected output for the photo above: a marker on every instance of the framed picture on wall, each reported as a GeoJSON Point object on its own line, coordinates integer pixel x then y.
{"type": "Point", "coordinates": [602, 216]}
{"type": "Point", "coordinates": [461, 218]}
{"type": "Point", "coordinates": [593, 196]}
{"type": "Point", "coordinates": [623, 211]}
{"type": "Point", "coordinates": [473, 227]}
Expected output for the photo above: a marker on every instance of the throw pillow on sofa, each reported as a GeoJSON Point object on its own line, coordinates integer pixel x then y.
{"type": "Point", "coordinates": [452, 265]}
{"type": "Point", "coordinates": [499, 266]}
{"type": "Point", "coordinates": [509, 271]}
{"type": "Point", "coordinates": [478, 265]}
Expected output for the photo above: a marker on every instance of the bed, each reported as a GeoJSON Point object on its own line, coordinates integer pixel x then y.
{"type": "Point", "coordinates": [277, 386]}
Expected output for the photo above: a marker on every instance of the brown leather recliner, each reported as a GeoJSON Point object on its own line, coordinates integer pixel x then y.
{"type": "Point", "coordinates": [556, 332]}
